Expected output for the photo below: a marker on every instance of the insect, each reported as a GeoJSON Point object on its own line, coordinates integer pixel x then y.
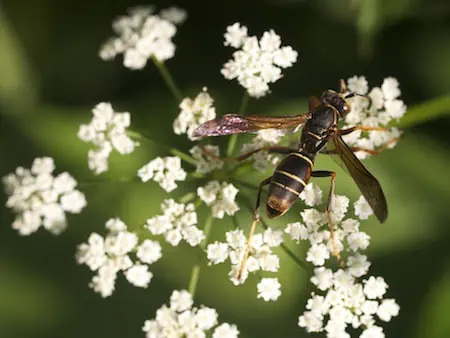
{"type": "Point", "coordinates": [319, 128]}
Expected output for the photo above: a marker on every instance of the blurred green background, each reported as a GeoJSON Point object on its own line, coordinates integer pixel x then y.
{"type": "Point", "coordinates": [51, 77]}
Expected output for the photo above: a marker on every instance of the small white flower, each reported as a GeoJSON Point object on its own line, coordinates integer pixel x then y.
{"type": "Point", "coordinates": [375, 287]}
{"type": "Point", "coordinates": [149, 251]}
{"type": "Point", "coordinates": [311, 321]}
{"type": "Point", "coordinates": [41, 199]}
{"type": "Point", "coordinates": [257, 63]}
{"type": "Point", "coordinates": [362, 208]}
{"type": "Point", "coordinates": [358, 85]}
{"type": "Point", "coordinates": [260, 256]}
{"type": "Point", "coordinates": [104, 281]}
{"type": "Point", "coordinates": [358, 241]}
{"type": "Point", "coordinates": [388, 309]}
{"type": "Point", "coordinates": [92, 253]}
{"type": "Point", "coordinates": [297, 231]}
{"type": "Point", "coordinates": [374, 108]}
{"type": "Point", "coordinates": [111, 254]}
{"type": "Point", "coordinates": [181, 319]}
{"type": "Point", "coordinates": [373, 332]}
{"type": "Point", "coordinates": [107, 132]}
{"type": "Point", "coordinates": [165, 171]}
{"type": "Point", "coordinates": [220, 197]}
{"type": "Point", "coordinates": [217, 252]}
{"type": "Point", "coordinates": [138, 275]}
{"type": "Point", "coordinates": [208, 158]}
{"type": "Point", "coordinates": [263, 160]}
{"type": "Point", "coordinates": [317, 254]}
{"type": "Point", "coordinates": [390, 88]}
{"type": "Point", "coordinates": [269, 289]}
{"type": "Point", "coordinates": [311, 195]}
{"type": "Point", "coordinates": [206, 318]}
{"type": "Point", "coordinates": [235, 35]}
{"type": "Point", "coordinates": [226, 331]}
{"type": "Point", "coordinates": [178, 222]}
{"type": "Point", "coordinates": [193, 113]}
{"type": "Point", "coordinates": [358, 265]}
{"type": "Point", "coordinates": [181, 301]}
{"type": "Point", "coordinates": [141, 36]}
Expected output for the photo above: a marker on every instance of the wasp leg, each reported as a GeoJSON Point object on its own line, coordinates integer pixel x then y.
{"type": "Point", "coordinates": [364, 128]}
{"type": "Point", "coordinates": [332, 175]}
{"type": "Point", "coordinates": [366, 150]}
{"type": "Point", "coordinates": [255, 221]}
{"type": "Point", "coordinates": [270, 149]}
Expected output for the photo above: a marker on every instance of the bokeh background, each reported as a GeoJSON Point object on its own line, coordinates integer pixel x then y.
{"type": "Point", "coordinates": [51, 77]}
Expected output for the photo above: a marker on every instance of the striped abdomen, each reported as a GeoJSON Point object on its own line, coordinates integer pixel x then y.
{"type": "Point", "coordinates": [288, 181]}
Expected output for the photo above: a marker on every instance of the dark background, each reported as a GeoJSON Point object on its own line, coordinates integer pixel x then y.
{"type": "Point", "coordinates": [51, 77]}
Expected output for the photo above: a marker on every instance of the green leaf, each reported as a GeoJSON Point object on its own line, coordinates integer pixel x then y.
{"type": "Point", "coordinates": [425, 111]}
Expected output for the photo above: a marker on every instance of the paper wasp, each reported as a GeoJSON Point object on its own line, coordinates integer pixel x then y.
{"type": "Point", "coordinates": [319, 128]}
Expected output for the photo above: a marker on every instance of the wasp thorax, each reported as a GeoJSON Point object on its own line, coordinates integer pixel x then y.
{"type": "Point", "coordinates": [337, 101]}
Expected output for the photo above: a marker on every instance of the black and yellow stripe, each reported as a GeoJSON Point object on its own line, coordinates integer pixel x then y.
{"type": "Point", "coordinates": [288, 181]}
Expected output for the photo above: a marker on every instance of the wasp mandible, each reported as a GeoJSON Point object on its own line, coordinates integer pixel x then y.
{"type": "Point", "coordinates": [319, 127]}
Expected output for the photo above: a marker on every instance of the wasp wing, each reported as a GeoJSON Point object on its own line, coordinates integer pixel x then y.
{"type": "Point", "coordinates": [236, 124]}
{"type": "Point", "coordinates": [366, 182]}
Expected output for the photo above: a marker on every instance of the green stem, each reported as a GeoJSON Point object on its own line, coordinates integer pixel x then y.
{"type": "Point", "coordinates": [185, 157]}
{"type": "Point", "coordinates": [193, 280]}
{"type": "Point", "coordinates": [174, 151]}
{"type": "Point", "coordinates": [168, 79]}
{"type": "Point", "coordinates": [187, 198]}
{"type": "Point", "coordinates": [233, 138]}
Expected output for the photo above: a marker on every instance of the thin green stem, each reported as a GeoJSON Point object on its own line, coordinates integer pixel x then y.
{"type": "Point", "coordinates": [185, 157]}
{"type": "Point", "coordinates": [187, 198]}
{"type": "Point", "coordinates": [168, 79]}
{"type": "Point", "coordinates": [195, 273]}
{"type": "Point", "coordinates": [174, 151]}
{"type": "Point", "coordinates": [233, 138]}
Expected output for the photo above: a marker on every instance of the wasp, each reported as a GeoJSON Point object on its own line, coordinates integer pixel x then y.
{"type": "Point", "coordinates": [319, 128]}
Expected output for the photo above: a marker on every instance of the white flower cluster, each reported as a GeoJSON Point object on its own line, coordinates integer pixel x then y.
{"type": "Point", "coordinates": [221, 198]}
{"type": "Point", "coordinates": [260, 258]}
{"type": "Point", "coordinates": [106, 131]}
{"type": "Point", "coordinates": [347, 302]}
{"type": "Point", "coordinates": [257, 63]}
{"type": "Point", "coordinates": [263, 160]}
{"type": "Point", "coordinates": [107, 256]}
{"type": "Point", "coordinates": [164, 171]}
{"type": "Point", "coordinates": [142, 35]}
{"type": "Point", "coordinates": [375, 108]}
{"type": "Point", "coordinates": [40, 198]}
{"type": "Point", "coordinates": [345, 298]}
{"type": "Point", "coordinates": [181, 319]}
{"type": "Point", "coordinates": [207, 157]}
{"type": "Point", "coordinates": [177, 222]}
{"type": "Point", "coordinates": [193, 113]}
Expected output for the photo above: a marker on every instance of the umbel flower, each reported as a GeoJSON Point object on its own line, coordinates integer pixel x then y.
{"type": "Point", "coordinates": [258, 62]}
{"type": "Point", "coordinates": [107, 131]}
{"type": "Point", "coordinates": [41, 198]}
{"type": "Point", "coordinates": [111, 254]}
{"type": "Point", "coordinates": [181, 319]}
{"type": "Point", "coordinates": [142, 35]}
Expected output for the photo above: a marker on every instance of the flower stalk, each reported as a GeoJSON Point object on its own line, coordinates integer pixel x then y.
{"type": "Point", "coordinates": [195, 273]}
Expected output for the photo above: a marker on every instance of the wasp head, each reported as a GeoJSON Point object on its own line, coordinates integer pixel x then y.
{"type": "Point", "coordinates": [337, 100]}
